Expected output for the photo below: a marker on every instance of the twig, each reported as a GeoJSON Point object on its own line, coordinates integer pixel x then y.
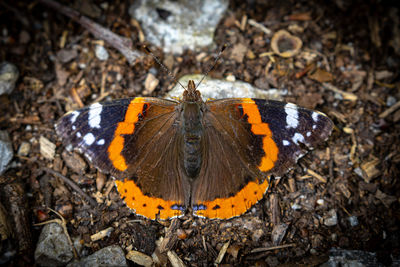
{"type": "Point", "coordinates": [122, 44]}
{"type": "Point", "coordinates": [389, 110]}
{"type": "Point", "coordinates": [316, 175]}
{"type": "Point", "coordinates": [74, 186]}
{"type": "Point", "coordinates": [259, 26]}
{"type": "Point", "coordinates": [256, 250]}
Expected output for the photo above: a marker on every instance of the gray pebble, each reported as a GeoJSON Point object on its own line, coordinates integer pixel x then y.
{"type": "Point", "coordinates": [6, 152]}
{"type": "Point", "coordinates": [8, 76]}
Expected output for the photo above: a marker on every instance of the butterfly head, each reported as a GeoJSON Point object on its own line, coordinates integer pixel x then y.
{"type": "Point", "coordinates": [191, 94]}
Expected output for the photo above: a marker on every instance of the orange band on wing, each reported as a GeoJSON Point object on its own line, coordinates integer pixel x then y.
{"type": "Point", "coordinates": [150, 207]}
{"type": "Point", "coordinates": [225, 208]}
{"type": "Point", "coordinates": [261, 128]}
{"type": "Point", "coordinates": [125, 127]}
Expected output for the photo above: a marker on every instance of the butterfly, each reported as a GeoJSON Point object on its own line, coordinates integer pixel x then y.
{"type": "Point", "coordinates": [213, 157]}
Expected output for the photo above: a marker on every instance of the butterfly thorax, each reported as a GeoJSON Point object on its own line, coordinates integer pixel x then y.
{"type": "Point", "coordinates": [192, 130]}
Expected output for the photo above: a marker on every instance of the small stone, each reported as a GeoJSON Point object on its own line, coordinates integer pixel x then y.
{"type": "Point", "coordinates": [359, 172]}
{"type": "Point", "coordinates": [24, 37]}
{"type": "Point", "coordinates": [53, 248]}
{"type": "Point", "coordinates": [331, 219]}
{"type": "Point", "coordinates": [6, 152]}
{"type": "Point", "coordinates": [74, 161]}
{"type": "Point", "coordinates": [47, 148]}
{"type": "Point", "coordinates": [66, 55]}
{"type": "Point", "coordinates": [390, 101]}
{"type": "Point", "coordinates": [8, 76]}
{"type": "Point", "coordinates": [342, 257]}
{"type": "Point", "coordinates": [24, 149]}
{"type": "Point", "coordinates": [176, 26]}
{"type": "Point", "coordinates": [230, 78]}
{"type": "Point", "coordinates": [150, 84]}
{"type": "Point", "coordinates": [101, 52]}
{"type": "Point", "coordinates": [353, 220]}
{"type": "Point", "coordinates": [257, 234]}
{"type": "Point", "coordinates": [296, 206]}
{"type": "Point", "coordinates": [112, 256]}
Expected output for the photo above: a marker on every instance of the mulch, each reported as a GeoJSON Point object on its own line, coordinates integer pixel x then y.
{"type": "Point", "coordinates": [348, 69]}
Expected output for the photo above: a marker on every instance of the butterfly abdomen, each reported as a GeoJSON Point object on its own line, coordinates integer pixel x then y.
{"type": "Point", "coordinates": [192, 129]}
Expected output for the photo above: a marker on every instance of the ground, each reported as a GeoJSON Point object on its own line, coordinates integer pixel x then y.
{"type": "Point", "coordinates": [347, 68]}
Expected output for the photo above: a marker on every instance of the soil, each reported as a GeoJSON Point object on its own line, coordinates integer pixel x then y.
{"type": "Point", "coordinates": [348, 68]}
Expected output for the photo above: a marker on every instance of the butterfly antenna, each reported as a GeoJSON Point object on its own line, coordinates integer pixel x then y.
{"type": "Point", "coordinates": [213, 65]}
{"type": "Point", "coordinates": [162, 65]}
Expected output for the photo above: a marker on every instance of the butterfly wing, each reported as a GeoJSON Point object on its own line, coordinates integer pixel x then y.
{"type": "Point", "coordinates": [248, 140]}
{"type": "Point", "coordinates": [134, 140]}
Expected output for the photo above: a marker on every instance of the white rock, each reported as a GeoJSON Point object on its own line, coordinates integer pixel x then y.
{"type": "Point", "coordinates": [101, 52]}
{"type": "Point", "coordinates": [217, 89]}
{"type": "Point", "coordinates": [53, 248]}
{"type": "Point", "coordinates": [178, 25]}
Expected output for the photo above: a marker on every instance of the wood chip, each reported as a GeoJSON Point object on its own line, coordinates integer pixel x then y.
{"type": "Point", "coordinates": [47, 148]}
{"type": "Point", "coordinates": [100, 180]}
{"type": "Point", "coordinates": [221, 253]}
{"type": "Point", "coordinates": [243, 23]}
{"type": "Point", "coordinates": [238, 52]}
{"type": "Point", "coordinates": [259, 26]}
{"type": "Point", "coordinates": [345, 191]}
{"type": "Point", "coordinates": [275, 210]}
{"type": "Point", "coordinates": [345, 95]}
{"type": "Point", "coordinates": [320, 75]}
{"type": "Point", "coordinates": [174, 259]}
{"type": "Point", "coordinates": [278, 233]}
{"type": "Point", "coordinates": [316, 175]}
{"type": "Point", "coordinates": [102, 234]}
{"type": "Point", "coordinates": [370, 170]}
{"type": "Point", "coordinates": [383, 74]}
{"type": "Point", "coordinates": [139, 258]}
{"type": "Point", "coordinates": [292, 185]}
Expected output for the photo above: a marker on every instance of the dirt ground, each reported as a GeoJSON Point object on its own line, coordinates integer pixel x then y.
{"type": "Point", "coordinates": [348, 68]}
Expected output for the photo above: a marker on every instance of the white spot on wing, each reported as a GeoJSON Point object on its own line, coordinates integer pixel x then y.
{"type": "Point", "coordinates": [94, 115]}
{"type": "Point", "coordinates": [298, 137]}
{"type": "Point", "coordinates": [314, 127]}
{"type": "Point", "coordinates": [74, 115]}
{"type": "Point", "coordinates": [73, 127]}
{"type": "Point", "coordinates": [308, 134]}
{"type": "Point", "coordinates": [88, 139]}
{"type": "Point", "coordinates": [292, 115]}
{"type": "Point", "coordinates": [286, 142]}
{"type": "Point", "coordinates": [101, 142]}
{"type": "Point", "coordinates": [315, 116]}
{"type": "Point", "coordinates": [78, 134]}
